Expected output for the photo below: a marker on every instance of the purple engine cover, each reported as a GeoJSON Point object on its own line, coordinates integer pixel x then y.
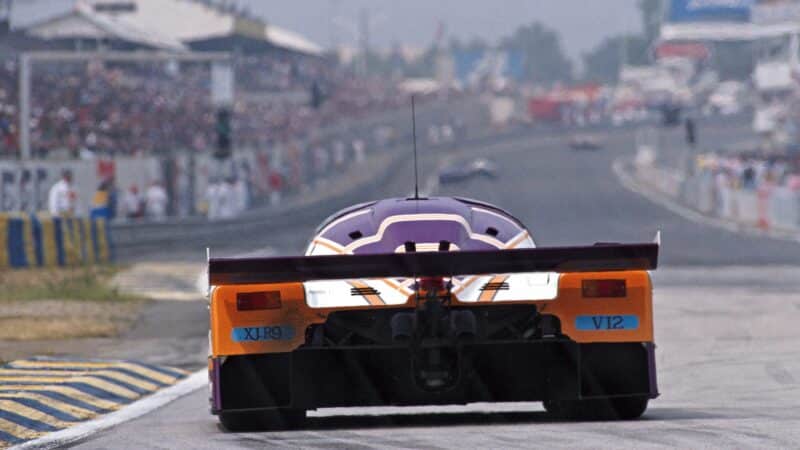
{"type": "Point", "coordinates": [464, 223]}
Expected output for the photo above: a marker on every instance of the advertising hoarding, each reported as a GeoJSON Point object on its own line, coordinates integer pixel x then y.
{"type": "Point", "coordinates": [709, 10]}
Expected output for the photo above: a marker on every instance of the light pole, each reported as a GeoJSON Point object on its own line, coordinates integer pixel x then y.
{"type": "Point", "coordinates": [25, 107]}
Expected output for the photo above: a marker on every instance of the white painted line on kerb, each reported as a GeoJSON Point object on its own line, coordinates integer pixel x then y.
{"type": "Point", "coordinates": [633, 185]}
{"type": "Point", "coordinates": [136, 409]}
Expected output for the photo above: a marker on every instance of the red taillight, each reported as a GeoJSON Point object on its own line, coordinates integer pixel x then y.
{"type": "Point", "coordinates": [604, 288]}
{"type": "Point", "coordinates": [252, 301]}
{"type": "Point", "coordinates": [432, 284]}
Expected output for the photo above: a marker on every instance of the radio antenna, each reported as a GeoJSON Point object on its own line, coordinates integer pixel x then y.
{"type": "Point", "coordinates": [414, 137]}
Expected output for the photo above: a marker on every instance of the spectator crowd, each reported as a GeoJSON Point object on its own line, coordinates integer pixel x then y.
{"type": "Point", "coordinates": [751, 170]}
{"type": "Point", "coordinates": [92, 108]}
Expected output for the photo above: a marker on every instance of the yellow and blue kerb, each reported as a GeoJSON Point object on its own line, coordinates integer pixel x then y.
{"type": "Point", "coordinates": [39, 240]}
{"type": "Point", "coordinates": [41, 395]}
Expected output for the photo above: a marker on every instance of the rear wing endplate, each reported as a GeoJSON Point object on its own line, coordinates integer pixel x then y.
{"type": "Point", "coordinates": [597, 258]}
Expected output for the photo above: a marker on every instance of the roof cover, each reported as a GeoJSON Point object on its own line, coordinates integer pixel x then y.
{"type": "Point", "coordinates": [168, 23]}
{"type": "Point", "coordinates": [82, 22]}
{"type": "Point", "coordinates": [190, 20]}
{"type": "Point", "coordinates": [722, 31]}
{"type": "Point", "coordinates": [183, 20]}
{"type": "Point", "coordinates": [290, 40]}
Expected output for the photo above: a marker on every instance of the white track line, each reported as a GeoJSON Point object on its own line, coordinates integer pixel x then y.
{"type": "Point", "coordinates": [633, 185]}
{"type": "Point", "coordinates": [136, 409]}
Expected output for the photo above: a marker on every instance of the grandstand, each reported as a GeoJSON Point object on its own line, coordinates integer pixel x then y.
{"type": "Point", "coordinates": [93, 106]}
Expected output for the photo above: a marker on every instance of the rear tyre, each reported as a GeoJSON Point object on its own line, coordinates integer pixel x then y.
{"type": "Point", "coordinates": [274, 420]}
{"type": "Point", "coordinates": [629, 408]}
{"type": "Point", "coordinates": [620, 408]}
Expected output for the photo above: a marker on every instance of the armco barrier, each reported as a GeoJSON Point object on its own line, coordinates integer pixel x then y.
{"type": "Point", "coordinates": [776, 208]}
{"type": "Point", "coordinates": [38, 240]}
{"type": "Point", "coordinates": [705, 194]}
{"type": "Point", "coordinates": [747, 208]}
{"type": "Point", "coordinates": [726, 202]}
{"type": "Point", "coordinates": [667, 181]}
{"type": "Point", "coordinates": [784, 208]}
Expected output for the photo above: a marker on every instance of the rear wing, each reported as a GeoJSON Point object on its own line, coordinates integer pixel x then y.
{"type": "Point", "coordinates": [597, 258]}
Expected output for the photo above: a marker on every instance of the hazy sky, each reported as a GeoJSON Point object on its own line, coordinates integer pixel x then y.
{"type": "Point", "coordinates": [582, 23]}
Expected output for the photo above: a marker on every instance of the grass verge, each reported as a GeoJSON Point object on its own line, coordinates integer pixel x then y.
{"type": "Point", "coordinates": [63, 283]}
{"type": "Point", "coordinates": [63, 303]}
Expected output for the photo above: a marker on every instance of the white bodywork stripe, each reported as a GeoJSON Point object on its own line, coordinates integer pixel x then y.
{"type": "Point", "coordinates": [344, 218]}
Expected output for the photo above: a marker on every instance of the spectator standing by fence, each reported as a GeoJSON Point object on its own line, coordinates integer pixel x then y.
{"type": "Point", "coordinates": [133, 203]}
{"type": "Point", "coordinates": [240, 194]}
{"type": "Point", "coordinates": [275, 187]}
{"type": "Point", "coordinates": [62, 198]}
{"type": "Point", "coordinates": [104, 202]}
{"type": "Point", "coordinates": [213, 198]}
{"type": "Point", "coordinates": [227, 199]}
{"type": "Point", "coordinates": [156, 201]}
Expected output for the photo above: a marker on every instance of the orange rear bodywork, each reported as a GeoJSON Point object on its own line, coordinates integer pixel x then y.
{"type": "Point", "coordinates": [297, 315]}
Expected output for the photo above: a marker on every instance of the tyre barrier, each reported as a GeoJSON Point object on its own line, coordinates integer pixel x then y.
{"type": "Point", "coordinates": [40, 240]}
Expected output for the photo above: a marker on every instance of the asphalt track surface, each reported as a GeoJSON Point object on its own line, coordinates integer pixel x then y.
{"type": "Point", "coordinates": [726, 310]}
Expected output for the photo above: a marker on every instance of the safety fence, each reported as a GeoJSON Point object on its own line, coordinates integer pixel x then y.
{"type": "Point", "coordinates": [769, 206]}
{"type": "Point", "coordinates": [39, 240]}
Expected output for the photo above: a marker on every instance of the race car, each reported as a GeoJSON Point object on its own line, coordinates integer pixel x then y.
{"type": "Point", "coordinates": [431, 301]}
{"type": "Point", "coordinates": [456, 172]}
{"type": "Point", "coordinates": [585, 142]}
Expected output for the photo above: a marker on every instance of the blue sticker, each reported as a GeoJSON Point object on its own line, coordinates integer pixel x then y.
{"type": "Point", "coordinates": [265, 333]}
{"type": "Point", "coordinates": [607, 323]}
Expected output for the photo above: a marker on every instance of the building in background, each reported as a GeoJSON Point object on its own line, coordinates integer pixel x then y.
{"type": "Point", "coordinates": [160, 24]}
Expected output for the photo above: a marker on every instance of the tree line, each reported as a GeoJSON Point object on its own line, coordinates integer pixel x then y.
{"type": "Point", "coordinates": [545, 61]}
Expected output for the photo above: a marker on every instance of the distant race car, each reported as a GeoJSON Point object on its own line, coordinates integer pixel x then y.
{"type": "Point", "coordinates": [431, 301]}
{"type": "Point", "coordinates": [457, 172]}
{"type": "Point", "coordinates": [585, 142]}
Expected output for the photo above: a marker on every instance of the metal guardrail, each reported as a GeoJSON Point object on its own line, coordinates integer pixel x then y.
{"type": "Point", "coordinates": [768, 207]}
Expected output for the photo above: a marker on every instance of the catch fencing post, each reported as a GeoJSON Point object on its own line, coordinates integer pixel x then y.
{"type": "Point", "coordinates": [25, 107]}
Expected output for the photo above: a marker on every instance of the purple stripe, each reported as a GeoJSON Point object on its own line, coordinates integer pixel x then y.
{"type": "Point", "coordinates": [340, 233]}
{"type": "Point", "coordinates": [651, 366]}
{"type": "Point", "coordinates": [216, 394]}
{"type": "Point", "coordinates": [432, 231]}
{"type": "Point", "coordinates": [481, 221]}
{"type": "Point", "coordinates": [367, 225]}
